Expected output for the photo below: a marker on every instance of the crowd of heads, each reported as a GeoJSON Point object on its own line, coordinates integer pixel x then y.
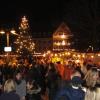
{"type": "Point", "coordinates": [40, 75]}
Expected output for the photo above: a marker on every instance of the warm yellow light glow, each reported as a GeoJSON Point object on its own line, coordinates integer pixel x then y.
{"type": "Point", "coordinates": [13, 32]}
{"type": "Point", "coordinates": [66, 53]}
{"type": "Point", "coordinates": [63, 36]}
{"type": "Point", "coordinates": [83, 56]}
{"type": "Point", "coordinates": [92, 56]}
{"type": "Point", "coordinates": [69, 53]}
{"type": "Point", "coordinates": [58, 43]}
{"type": "Point", "coordinates": [51, 55]}
{"type": "Point", "coordinates": [44, 55]}
{"type": "Point", "coordinates": [77, 61]}
{"type": "Point", "coordinates": [63, 42]}
{"type": "Point", "coordinates": [55, 54]}
{"type": "Point", "coordinates": [79, 56]}
{"type": "Point", "coordinates": [74, 55]}
{"type": "Point", "coordinates": [2, 32]}
{"type": "Point", "coordinates": [98, 54]}
{"type": "Point", "coordinates": [24, 40]}
{"type": "Point", "coordinates": [60, 55]}
{"type": "Point", "coordinates": [63, 54]}
{"type": "Point", "coordinates": [48, 52]}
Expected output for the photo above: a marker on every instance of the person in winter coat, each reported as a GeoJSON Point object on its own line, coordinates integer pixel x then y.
{"type": "Point", "coordinates": [72, 93]}
{"type": "Point", "coordinates": [92, 85]}
{"type": "Point", "coordinates": [1, 81]}
{"type": "Point", "coordinates": [20, 85]}
{"type": "Point", "coordinates": [33, 90]}
{"type": "Point", "coordinates": [9, 91]}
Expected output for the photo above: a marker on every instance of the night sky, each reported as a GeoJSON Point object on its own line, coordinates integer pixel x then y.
{"type": "Point", "coordinates": [45, 14]}
{"type": "Point", "coordinates": [41, 13]}
{"type": "Point", "coordinates": [81, 16]}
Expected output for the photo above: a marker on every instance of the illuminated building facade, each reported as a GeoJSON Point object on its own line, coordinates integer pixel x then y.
{"type": "Point", "coordinates": [61, 38]}
{"type": "Point", "coordinates": [54, 41]}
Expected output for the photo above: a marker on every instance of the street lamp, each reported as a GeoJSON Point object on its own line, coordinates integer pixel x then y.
{"type": "Point", "coordinates": [7, 34]}
{"type": "Point", "coordinates": [8, 48]}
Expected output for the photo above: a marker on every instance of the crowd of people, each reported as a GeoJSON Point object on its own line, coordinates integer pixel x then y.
{"type": "Point", "coordinates": [36, 79]}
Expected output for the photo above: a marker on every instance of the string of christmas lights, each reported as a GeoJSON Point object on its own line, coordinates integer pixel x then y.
{"type": "Point", "coordinates": [24, 41]}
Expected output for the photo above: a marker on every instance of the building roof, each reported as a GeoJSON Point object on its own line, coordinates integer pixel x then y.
{"type": "Point", "coordinates": [54, 30]}
{"type": "Point", "coordinates": [63, 28]}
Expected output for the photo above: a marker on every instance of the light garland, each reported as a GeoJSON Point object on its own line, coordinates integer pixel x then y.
{"type": "Point", "coordinates": [24, 41]}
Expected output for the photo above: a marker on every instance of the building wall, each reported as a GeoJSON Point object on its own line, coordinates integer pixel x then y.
{"type": "Point", "coordinates": [61, 38]}
{"type": "Point", "coordinates": [43, 44]}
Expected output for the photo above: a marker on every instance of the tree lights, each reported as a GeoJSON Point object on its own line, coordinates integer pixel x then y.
{"type": "Point", "coordinates": [24, 41]}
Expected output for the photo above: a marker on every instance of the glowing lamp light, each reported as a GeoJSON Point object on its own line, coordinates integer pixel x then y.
{"type": "Point", "coordinates": [83, 56]}
{"type": "Point", "coordinates": [98, 54]}
{"type": "Point", "coordinates": [7, 49]}
{"type": "Point", "coordinates": [69, 53]}
{"type": "Point", "coordinates": [13, 32]}
{"type": "Point", "coordinates": [74, 55]}
{"type": "Point", "coordinates": [58, 43]}
{"type": "Point", "coordinates": [56, 55]}
{"type": "Point", "coordinates": [66, 53]}
{"type": "Point", "coordinates": [44, 55]}
{"type": "Point", "coordinates": [2, 32]}
{"type": "Point", "coordinates": [63, 42]}
{"type": "Point", "coordinates": [79, 56]}
{"type": "Point", "coordinates": [63, 36]}
{"type": "Point", "coordinates": [77, 61]}
{"type": "Point", "coordinates": [48, 52]}
{"type": "Point", "coordinates": [92, 56]}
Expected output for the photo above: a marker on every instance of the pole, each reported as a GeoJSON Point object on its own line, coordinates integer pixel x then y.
{"type": "Point", "coordinates": [7, 39]}
{"type": "Point", "coordinates": [8, 46]}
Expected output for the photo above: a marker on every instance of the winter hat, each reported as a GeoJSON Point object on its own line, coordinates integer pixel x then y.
{"type": "Point", "coordinates": [76, 80]}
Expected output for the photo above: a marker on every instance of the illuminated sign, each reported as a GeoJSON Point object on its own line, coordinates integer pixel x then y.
{"type": "Point", "coordinates": [7, 49]}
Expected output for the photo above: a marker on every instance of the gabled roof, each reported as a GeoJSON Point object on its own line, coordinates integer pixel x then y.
{"type": "Point", "coordinates": [63, 28]}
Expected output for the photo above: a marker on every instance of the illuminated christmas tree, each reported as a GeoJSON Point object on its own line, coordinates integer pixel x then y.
{"type": "Point", "coordinates": [24, 41]}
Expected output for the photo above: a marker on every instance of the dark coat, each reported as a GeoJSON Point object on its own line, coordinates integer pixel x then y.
{"type": "Point", "coordinates": [9, 96]}
{"type": "Point", "coordinates": [70, 94]}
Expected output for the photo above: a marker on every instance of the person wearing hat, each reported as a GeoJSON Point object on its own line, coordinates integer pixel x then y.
{"type": "Point", "coordinates": [74, 92]}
